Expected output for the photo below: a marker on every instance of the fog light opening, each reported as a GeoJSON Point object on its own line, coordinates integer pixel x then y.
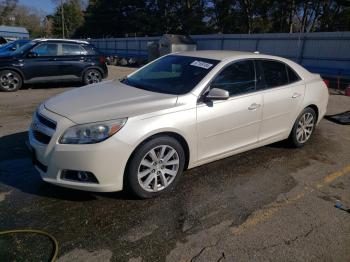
{"type": "Point", "coordinates": [79, 176]}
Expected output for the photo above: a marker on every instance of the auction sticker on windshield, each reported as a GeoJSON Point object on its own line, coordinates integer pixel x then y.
{"type": "Point", "coordinates": [201, 64]}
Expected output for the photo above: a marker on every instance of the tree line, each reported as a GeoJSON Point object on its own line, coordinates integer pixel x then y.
{"type": "Point", "coordinates": [104, 18]}
{"type": "Point", "coordinates": [120, 18]}
{"type": "Point", "coordinates": [13, 14]}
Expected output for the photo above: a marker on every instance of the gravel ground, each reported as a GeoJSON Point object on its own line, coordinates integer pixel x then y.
{"type": "Point", "coordinates": [270, 204]}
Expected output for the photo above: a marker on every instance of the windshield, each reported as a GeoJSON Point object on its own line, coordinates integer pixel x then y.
{"type": "Point", "coordinates": [24, 48]}
{"type": "Point", "coordinates": [173, 74]}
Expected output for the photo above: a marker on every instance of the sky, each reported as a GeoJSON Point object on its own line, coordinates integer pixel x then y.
{"type": "Point", "coordinates": [46, 6]}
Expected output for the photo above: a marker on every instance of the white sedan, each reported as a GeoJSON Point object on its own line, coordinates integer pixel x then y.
{"type": "Point", "coordinates": [181, 111]}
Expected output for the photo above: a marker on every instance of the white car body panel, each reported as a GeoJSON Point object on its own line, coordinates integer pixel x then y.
{"type": "Point", "coordinates": [211, 131]}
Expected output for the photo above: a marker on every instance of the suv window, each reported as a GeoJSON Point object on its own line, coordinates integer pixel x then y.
{"type": "Point", "coordinates": [275, 73]}
{"type": "Point", "coordinates": [46, 49]}
{"type": "Point", "coordinates": [292, 76]}
{"type": "Point", "coordinates": [237, 78]}
{"type": "Point", "coordinates": [72, 49]}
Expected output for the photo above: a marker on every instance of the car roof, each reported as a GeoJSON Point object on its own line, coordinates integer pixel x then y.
{"type": "Point", "coordinates": [215, 54]}
{"type": "Point", "coordinates": [60, 40]}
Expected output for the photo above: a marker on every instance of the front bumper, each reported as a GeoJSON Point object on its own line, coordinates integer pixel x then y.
{"type": "Point", "coordinates": [106, 160]}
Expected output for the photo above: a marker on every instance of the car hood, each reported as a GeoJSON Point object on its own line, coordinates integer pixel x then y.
{"type": "Point", "coordinates": [106, 101]}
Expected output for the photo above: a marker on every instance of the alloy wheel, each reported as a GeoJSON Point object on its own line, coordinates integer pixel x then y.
{"type": "Point", "coordinates": [93, 77]}
{"type": "Point", "coordinates": [305, 127]}
{"type": "Point", "coordinates": [9, 81]}
{"type": "Point", "coordinates": [158, 168]}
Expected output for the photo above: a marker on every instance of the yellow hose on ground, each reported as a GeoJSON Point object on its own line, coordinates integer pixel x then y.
{"type": "Point", "coordinates": [34, 231]}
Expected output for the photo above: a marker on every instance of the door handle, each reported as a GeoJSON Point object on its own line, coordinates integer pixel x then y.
{"type": "Point", "coordinates": [254, 106]}
{"type": "Point", "coordinates": [53, 59]}
{"type": "Point", "coordinates": [296, 95]}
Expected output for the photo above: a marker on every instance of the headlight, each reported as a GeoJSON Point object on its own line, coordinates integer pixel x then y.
{"type": "Point", "coordinates": [91, 133]}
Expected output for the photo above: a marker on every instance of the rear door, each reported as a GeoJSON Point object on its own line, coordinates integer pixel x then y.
{"type": "Point", "coordinates": [282, 91]}
{"type": "Point", "coordinates": [40, 63]}
{"type": "Point", "coordinates": [71, 60]}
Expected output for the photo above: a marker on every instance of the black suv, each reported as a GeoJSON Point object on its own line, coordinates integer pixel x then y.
{"type": "Point", "coordinates": [51, 60]}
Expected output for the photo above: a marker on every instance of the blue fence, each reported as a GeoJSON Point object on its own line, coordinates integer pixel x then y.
{"type": "Point", "coordinates": [324, 53]}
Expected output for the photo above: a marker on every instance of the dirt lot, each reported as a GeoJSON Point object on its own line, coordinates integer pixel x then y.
{"type": "Point", "coordinates": [273, 203]}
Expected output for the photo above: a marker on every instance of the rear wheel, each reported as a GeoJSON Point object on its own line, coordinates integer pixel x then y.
{"type": "Point", "coordinates": [92, 76]}
{"type": "Point", "coordinates": [10, 81]}
{"type": "Point", "coordinates": [303, 128]}
{"type": "Point", "coordinates": [155, 167]}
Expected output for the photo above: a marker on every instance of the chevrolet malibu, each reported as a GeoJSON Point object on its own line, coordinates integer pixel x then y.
{"type": "Point", "coordinates": [181, 111]}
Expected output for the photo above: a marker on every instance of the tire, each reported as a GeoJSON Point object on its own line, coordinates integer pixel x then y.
{"type": "Point", "coordinates": [92, 76]}
{"type": "Point", "coordinates": [144, 170]}
{"type": "Point", "coordinates": [303, 128]}
{"type": "Point", "coordinates": [10, 81]}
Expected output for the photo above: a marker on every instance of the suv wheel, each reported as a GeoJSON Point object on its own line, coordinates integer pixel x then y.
{"type": "Point", "coordinates": [155, 167]}
{"type": "Point", "coordinates": [303, 128]}
{"type": "Point", "coordinates": [92, 76]}
{"type": "Point", "coordinates": [10, 81]}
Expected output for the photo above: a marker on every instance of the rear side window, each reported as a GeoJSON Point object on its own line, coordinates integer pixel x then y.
{"type": "Point", "coordinates": [237, 78]}
{"type": "Point", "coordinates": [275, 73]}
{"type": "Point", "coordinates": [72, 49]}
{"type": "Point", "coordinates": [292, 76]}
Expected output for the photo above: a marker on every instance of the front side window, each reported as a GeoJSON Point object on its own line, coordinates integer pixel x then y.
{"type": "Point", "coordinates": [172, 74]}
{"type": "Point", "coordinates": [275, 73]}
{"type": "Point", "coordinates": [72, 49]}
{"type": "Point", "coordinates": [46, 49]}
{"type": "Point", "coordinates": [238, 78]}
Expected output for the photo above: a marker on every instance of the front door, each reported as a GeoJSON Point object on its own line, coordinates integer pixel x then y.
{"type": "Point", "coordinates": [40, 64]}
{"type": "Point", "coordinates": [224, 126]}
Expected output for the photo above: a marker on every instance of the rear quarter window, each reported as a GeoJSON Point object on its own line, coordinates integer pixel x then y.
{"type": "Point", "coordinates": [292, 75]}
{"type": "Point", "coordinates": [90, 49]}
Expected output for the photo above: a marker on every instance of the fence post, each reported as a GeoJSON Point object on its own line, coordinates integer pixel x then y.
{"type": "Point", "coordinates": [139, 52]}
{"type": "Point", "coordinates": [301, 50]}
{"type": "Point", "coordinates": [127, 46]}
{"type": "Point", "coordinates": [257, 44]}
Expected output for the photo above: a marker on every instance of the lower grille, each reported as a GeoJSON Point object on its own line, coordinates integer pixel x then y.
{"type": "Point", "coordinates": [42, 138]}
{"type": "Point", "coordinates": [43, 128]}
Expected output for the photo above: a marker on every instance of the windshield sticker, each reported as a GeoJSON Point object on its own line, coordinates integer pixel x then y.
{"type": "Point", "coordinates": [201, 64]}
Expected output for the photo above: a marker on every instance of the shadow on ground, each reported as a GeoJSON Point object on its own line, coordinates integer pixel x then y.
{"type": "Point", "coordinates": [17, 171]}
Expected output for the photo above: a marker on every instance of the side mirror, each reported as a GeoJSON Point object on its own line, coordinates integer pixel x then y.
{"type": "Point", "coordinates": [217, 94]}
{"type": "Point", "coordinates": [32, 54]}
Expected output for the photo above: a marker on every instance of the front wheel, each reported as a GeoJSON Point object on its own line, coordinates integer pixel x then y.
{"type": "Point", "coordinates": [155, 167]}
{"type": "Point", "coordinates": [303, 128]}
{"type": "Point", "coordinates": [92, 76]}
{"type": "Point", "coordinates": [10, 81]}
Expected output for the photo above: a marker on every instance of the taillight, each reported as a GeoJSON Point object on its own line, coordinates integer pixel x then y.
{"type": "Point", "coordinates": [326, 81]}
{"type": "Point", "coordinates": [102, 60]}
